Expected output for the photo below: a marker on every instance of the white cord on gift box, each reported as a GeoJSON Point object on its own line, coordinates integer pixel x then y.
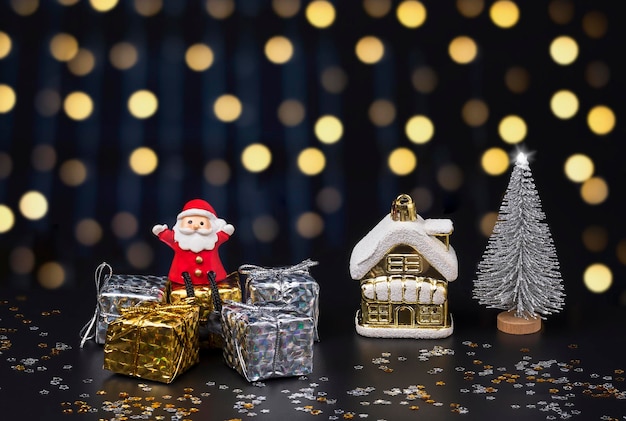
{"type": "Point", "coordinates": [86, 331]}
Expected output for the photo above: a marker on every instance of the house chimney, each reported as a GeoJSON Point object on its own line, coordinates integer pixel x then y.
{"type": "Point", "coordinates": [403, 209]}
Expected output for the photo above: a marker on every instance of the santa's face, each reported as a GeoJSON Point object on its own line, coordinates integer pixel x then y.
{"type": "Point", "coordinates": [195, 233]}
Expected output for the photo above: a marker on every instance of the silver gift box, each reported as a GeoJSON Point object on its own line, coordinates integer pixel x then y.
{"type": "Point", "coordinates": [117, 291]}
{"type": "Point", "coordinates": [265, 340]}
{"type": "Point", "coordinates": [292, 285]}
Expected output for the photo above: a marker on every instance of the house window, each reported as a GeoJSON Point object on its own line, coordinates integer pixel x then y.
{"type": "Point", "coordinates": [378, 313]}
{"type": "Point", "coordinates": [430, 315]}
{"type": "Point", "coordinates": [404, 263]}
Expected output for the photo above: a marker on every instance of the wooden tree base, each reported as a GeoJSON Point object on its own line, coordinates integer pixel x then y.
{"type": "Point", "coordinates": [508, 323]}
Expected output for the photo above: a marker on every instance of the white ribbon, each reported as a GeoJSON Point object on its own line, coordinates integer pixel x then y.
{"type": "Point", "coordinates": [258, 271]}
{"type": "Point", "coordinates": [86, 332]}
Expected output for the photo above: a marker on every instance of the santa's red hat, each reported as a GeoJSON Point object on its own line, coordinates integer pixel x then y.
{"type": "Point", "coordinates": [197, 207]}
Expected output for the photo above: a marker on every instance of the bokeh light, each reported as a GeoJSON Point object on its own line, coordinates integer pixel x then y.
{"type": "Point", "coordinates": [279, 50]}
{"type": "Point", "coordinates": [5, 45]}
{"type": "Point", "coordinates": [504, 13]}
{"type": "Point", "coordinates": [51, 275]}
{"type": "Point", "coordinates": [620, 251]}
{"type": "Point", "coordinates": [598, 278]}
{"type": "Point", "coordinates": [597, 74]}
{"type": "Point", "coordinates": [291, 112]}
{"type": "Point", "coordinates": [463, 49]}
{"type": "Point", "coordinates": [123, 55]}
{"type": "Point", "coordinates": [595, 238]}
{"type": "Point", "coordinates": [310, 225]}
{"type": "Point", "coordinates": [402, 161]}
{"type": "Point", "coordinates": [48, 102]}
{"type": "Point", "coordinates": [382, 112]}
{"type": "Point", "coordinates": [217, 172]}
{"type": "Point", "coordinates": [411, 13]}
{"type": "Point", "coordinates": [286, 8]}
{"type": "Point", "coordinates": [63, 47]}
{"type": "Point", "coordinates": [44, 158]}
{"type": "Point", "coordinates": [475, 112]}
{"type": "Point", "coordinates": [495, 161]}
{"type": "Point", "coordinates": [419, 129]}
{"type": "Point", "coordinates": [256, 157]}
{"type": "Point", "coordinates": [601, 120]}
{"type": "Point", "coordinates": [487, 222]}
{"type": "Point", "coordinates": [564, 50]}
{"type": "Point", "coordinates": [422, 198]}
{"type": "Point", "coordinates": [517, 79]}
{"type": "Point", "coordinates": [22, 260]}
{"type": "Point", "coordinates": [334, 79]}
{"type": "Point", "coordinates": [595, 24]}
{"type": "Point", "coordinates": [579, 167]}
{"type": "Point", "coordinates": [594, 191]}
{"type": "Point", "coordinates": [328, 129]}
{"type": "Point", "coordinates": [561, 11]}
{"type": "Point", "coordinates": [7, 98]}
{"type": "Point", "coordinates": [78, 105]}
{"type": "Point", "coordinates": [33, 205]}
{"type": "Point", "coordinates": [7, 218]}
{"type": "Point", "coordinates": [124, 225]}
{"type": "Point", "coordinates": [88, 232]}
{"type": "Point", "coordinates": [103, 5]}
{"type": "Point", "coordinates": [199, 57]}
{"type": "Point", "coordinates": [265, 228]}
{"type": "Point", "coordinates": [329, 200]}
{"type": "Point", "coordinates": [143, 161]}
{"type": "Point", "coordinates": [82, 63]}
{"type": "Point", "coordinates": [311, 161]}
{"type": "Point", "coordinates": [143, 104]}
{"type": "Point", "coordinates": [450, 177]}
{"type": "Point", "coordinates": [139, 254]}
{"type": "Point", "coordinates": [424, 79]}
{"type": "Point", "coordinates": [227, 108]}
{"type": "Point", "coordinates": [220, 9]}
{"type": "Point", "coordinates": [148, 8]}
{"type": "Point", "coordinates": [320, 13]}
{"type": "Point", "coordinates": [564, 104]}
{"type": "Point", "coordinates": [370, 49]}
{"type": "Point", "coordinates": [6, 165]}
{"type": "Point", "coordinates": [73, 172]}
{"type": "Point", "coordinates": [377, 8]}
{"type": "Point", "coordinates": [512, 129]}
{"type": "Point", "coordinates": [470, 8]}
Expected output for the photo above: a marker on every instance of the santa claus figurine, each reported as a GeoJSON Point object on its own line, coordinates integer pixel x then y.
{"type": "Point", "coordinates": [195, 239]}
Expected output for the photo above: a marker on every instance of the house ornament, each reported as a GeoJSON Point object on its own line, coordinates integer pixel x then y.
{"type": "Point", "coordinates": [404, 265]}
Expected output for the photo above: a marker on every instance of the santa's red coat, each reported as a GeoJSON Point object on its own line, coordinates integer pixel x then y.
{"type": "Point", "coordinates": [196, 264]}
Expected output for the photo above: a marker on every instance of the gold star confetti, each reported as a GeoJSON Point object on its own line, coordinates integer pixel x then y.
{"type": "Point", "coordinates": [414, 407]}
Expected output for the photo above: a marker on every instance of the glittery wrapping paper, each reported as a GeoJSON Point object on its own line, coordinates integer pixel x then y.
{"type": "Point", "coordinates": [229, 289]}
{"type": "Point", "coordinates": [293, 286]}
{"type": "Point", "coordinates": [264, 340]}
{"type": "Point", "coordinates": [153, 342]}
{"type": "Point", "coordinates": [124, 291]}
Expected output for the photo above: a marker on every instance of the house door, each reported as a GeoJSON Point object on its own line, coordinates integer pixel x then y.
{"type": "Point", "coordinates": [405, 316]}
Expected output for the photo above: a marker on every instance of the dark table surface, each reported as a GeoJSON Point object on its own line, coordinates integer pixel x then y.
{"type": "Point", "coordinates": [568, 370]}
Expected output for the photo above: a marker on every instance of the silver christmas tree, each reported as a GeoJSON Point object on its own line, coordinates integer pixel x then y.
{"type": "Point", "coordinates": [519, 270]}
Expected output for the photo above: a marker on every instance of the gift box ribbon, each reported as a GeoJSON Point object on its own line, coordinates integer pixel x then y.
{"type": "Point", "coordinates": [254, 271]}
{"type": "Point", "coordinates": [89, 330]}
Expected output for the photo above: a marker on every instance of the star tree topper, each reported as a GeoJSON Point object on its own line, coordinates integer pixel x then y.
{"type": "Point", "coordinates": [519, 271]}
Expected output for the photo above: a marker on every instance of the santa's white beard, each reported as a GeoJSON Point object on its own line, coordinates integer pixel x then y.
{"type": "Point", "coordinates": [195, 240]}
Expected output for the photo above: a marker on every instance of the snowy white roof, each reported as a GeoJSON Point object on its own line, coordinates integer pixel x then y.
{"type": "Point", "coordinates": [418, 234]}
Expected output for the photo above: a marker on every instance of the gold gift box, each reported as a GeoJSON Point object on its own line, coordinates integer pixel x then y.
{"type": "Point", "coordinates": [229, 290]}
{"type": "Point", "coordinates": [153, 342]}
